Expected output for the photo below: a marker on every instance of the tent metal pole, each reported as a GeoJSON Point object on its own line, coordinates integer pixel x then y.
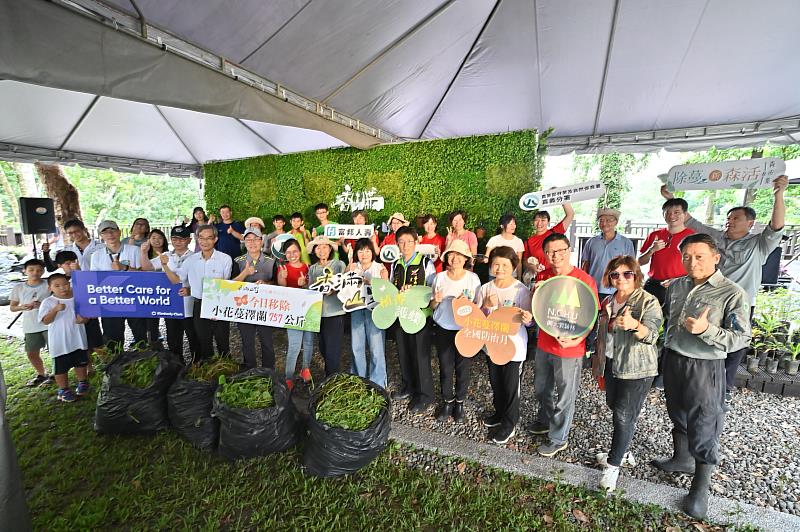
{"type": "Point", "coordinates": [169, 125]}
{"type": "Point", "coordinates": [259, 135]}
{"type": "Point", "coordinates": [609, 49]}
{"type": "Point", "coordinates": [397, 42]}
{"type": "Point", "coordinates": [79, 122]}
{"type": "Point", "coordinates": [538, 59]}
{"type": "Point", "coordinates": [460, 67]}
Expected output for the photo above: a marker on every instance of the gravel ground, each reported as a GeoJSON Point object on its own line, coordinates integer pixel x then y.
{"type": "Point", "coordinates": [760, 446]}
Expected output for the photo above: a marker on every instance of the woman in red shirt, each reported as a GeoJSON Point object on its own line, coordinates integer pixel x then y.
{"type": "Point", "coordinates": [429, 223]}
{"type": "Point", "coordinates": [294, 274]}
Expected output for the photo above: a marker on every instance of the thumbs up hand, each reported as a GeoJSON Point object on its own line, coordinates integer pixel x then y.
{"type": "Point", "coordinates": [699, 324]}
{"type": "Point", "coordinates": [626, 321]}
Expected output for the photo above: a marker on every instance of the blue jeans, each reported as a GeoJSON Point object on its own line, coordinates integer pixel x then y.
{"type": "Point", "coordinates": [362, 332]}
{"type": "Point", "coordinates": [294, 339]}
{"type": "Point", "coordinates": [562, 375]}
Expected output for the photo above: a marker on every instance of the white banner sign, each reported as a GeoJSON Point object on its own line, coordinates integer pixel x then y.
{"type": "Point", "coordinates": [337, 231]}
{"type": "Point", "coordinates": [745, 173]}
{"type": "Point", "coordinates": [358, 201]}
{"type": "Point", "coordinates": [349, 288]}
{"type": "Point", "coordinates": [556, 196]}
{"type": "Point", "coordinates": [261, 304]}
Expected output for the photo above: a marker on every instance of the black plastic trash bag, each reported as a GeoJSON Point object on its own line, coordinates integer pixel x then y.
{"type": "Point", "coordinates": [245, 433]}
{"type": "Point", "coordinates": [333, 451]}
{"type": "Point", "coordinates": [124, 409]}
{"type": "Point", "coordinates": [189, 404]}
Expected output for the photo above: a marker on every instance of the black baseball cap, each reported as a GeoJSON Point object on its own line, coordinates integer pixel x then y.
{"type": "Point", "coordinates": [180, 231]}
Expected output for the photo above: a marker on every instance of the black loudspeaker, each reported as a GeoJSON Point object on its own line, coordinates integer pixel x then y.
{"type": "Point", "coordinates": [38, 216]}
{"type": "Point", "coordinates": [770, 270]}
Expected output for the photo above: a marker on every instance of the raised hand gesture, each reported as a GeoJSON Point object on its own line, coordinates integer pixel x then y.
{"type": "Point", "coordinates": [699, 324]}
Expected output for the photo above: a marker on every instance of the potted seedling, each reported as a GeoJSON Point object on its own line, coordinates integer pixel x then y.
{"type": "Point", "coordinates": [774, 357]}
{"type": "Point", "coordinates": [794, 363]}
{"type": "Point", "coordinates": [758, 347]}
{"type": "Point", "coordinates": [768, 324]}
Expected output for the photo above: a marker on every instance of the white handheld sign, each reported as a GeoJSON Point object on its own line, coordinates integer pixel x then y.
{"type": "Point", "coordinates": [556, 196]}
{"type": "Point", "coordinates": [337, 231]}
{"type": "Point", "coordinates": [744, 173]}
{"type": "Point", "coordinates": [390, 253]}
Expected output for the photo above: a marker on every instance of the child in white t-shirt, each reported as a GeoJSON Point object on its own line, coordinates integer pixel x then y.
{"type": "Point", "coordinates": [66, 336]}
{"type": "Point", "coordinates": [26, 298]}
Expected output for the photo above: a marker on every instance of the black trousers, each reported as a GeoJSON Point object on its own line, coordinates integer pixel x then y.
{"type": "Point", "coordinates": [175, 331]}
{"type": "Point", "coordinates": [248, 332]}
{"type": "Point", "coordinates": [94, 335]}
{"type": "Point", "coordinates": [505, 381]}
{"type": "Point", "coordinates": [451, 364]}
{"type": "Point", "coordinates": [695, 391]}
{"type": "Point", "coordinates": [209, 331]}
{"type": "Point", "coordinates": [114, 331]}
{"type": "Point", "coordinates": [732, 363]}
{"type": "Point", "coordinates": [331, 332]}
{"type": "Point", "coordinates": [414, 355]}
{"type": "Point", "coordinates": [153, 329]}
{"type": "Point", "coordinates": [625, 398]}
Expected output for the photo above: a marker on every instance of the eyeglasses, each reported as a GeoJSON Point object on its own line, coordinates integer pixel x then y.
{"type": "Point", "coordinates": [557, 252]}
{"type": "Point", "coordinates": [206, 238]}
{"type": "Point", "coordinates": [627, 274]}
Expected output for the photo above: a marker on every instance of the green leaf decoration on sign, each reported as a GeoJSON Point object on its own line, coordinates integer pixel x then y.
{"type": "Point", "coordinates": [393, 304]}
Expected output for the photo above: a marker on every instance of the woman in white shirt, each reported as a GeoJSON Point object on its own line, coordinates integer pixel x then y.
{"type": "Point", "coordinates": [453, 283]}
{"type": "Point", "coordinates": [505, 291]}
{"type": "Point", "coordinates": [508, 225]}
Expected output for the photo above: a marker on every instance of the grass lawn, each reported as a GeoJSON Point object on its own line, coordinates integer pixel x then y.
{"type": "Point", "coordinates": [76, 479]}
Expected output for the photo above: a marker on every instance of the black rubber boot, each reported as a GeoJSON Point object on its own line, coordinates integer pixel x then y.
{"type": "Point", "coordinates": [681, 461]}
{"type": "Point", "coordinates": [445, 411]}
{"type": "Point", "coordinates": [696, 502]}
{"type": "Point", "coordinates": [458, 412]}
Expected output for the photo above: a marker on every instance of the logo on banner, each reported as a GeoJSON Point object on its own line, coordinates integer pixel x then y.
{"type": "Point", "coordinates": [390, 253]}
{"type": "Point", "coordinates": [564, 306]}
{"type": "Point", "coordinates": [496, 331]}
{"type": "Point", "coordinates": [406, 306]}
{"type": "Point", "coordinates": [277, 245]}
{"type": "Point", "coordinates": [530, 201]}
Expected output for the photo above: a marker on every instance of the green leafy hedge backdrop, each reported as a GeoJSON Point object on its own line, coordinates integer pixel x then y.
{"type": "Point", "coordinates": [483, 175]}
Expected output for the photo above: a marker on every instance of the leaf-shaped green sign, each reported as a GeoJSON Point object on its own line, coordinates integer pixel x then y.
{"type": "Point", "coordinates": [407, 306]}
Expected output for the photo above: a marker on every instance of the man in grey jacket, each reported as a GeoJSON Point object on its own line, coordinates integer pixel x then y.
{"type": "Point", "coordinates": [708, 316]}
{"type": "Point", "coordinates": [743, 254]}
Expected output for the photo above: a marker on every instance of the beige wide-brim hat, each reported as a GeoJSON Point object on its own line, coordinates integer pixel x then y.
{"type": "Point", "coordinates": [609, 212]}
{"type": "Point", "coordinates": [399, 216]}
{"type": "Point", "coordinates": [254, 220]}
{"type": "Point", "coordinates": [320, 240]}
{"type": "Point", "coordinates": [458, 246]}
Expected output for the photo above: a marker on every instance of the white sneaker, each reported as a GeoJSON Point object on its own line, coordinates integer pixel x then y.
{"type": "Point", "coordinates": [610, 476]}
{"type": "Point", "coordinates": [628, 460]}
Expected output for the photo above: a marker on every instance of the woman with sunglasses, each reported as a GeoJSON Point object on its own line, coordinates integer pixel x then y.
{"type": "Point", "coordinates": [626, 358]}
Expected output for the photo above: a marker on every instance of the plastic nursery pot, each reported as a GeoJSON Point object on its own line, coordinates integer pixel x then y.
{"type": "Point", "coordinates": [772, 366]}
{"type": "Point", "coordinates": [752, 364]}
{"type": "Point", "coordinates": [762, 358]}
{"type": "Point", "coordinates": [792, 366]}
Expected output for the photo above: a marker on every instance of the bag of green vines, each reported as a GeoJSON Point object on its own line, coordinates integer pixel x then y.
{"type": "Point", "coordinates": [256, 415]}
{"type": "Point", "coordinates": [348, 425]}
{"type": "Point", "coordinates": [133, 395]}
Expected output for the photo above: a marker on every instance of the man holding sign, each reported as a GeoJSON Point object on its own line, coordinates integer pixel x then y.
{"type": "Point", "coordinates": [707, 317]}
{"type": "Point", "coordinates": [558, 359]}
{"type": "Point", "coordinates": [742, 255]}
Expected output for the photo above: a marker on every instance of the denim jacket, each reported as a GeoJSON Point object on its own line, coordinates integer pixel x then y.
{"type": "Point", "coordinates": [633, 359]}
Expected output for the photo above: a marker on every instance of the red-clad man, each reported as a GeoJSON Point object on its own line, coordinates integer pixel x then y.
{"type": "Point", "coordinates": [541, 230]}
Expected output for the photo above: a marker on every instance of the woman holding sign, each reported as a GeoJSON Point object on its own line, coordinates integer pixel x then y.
{"type": "Point", "coordinates": [294, 274]}
{"type": "Point", "coordinates": [626, 356]}
{"type": "Point", "coordinates": [505, 291]}
{"type": "Point", "coordinates": [363, 330]}
{"type": "Point", "coordinates": [456, 282]}
{"type": "Point", "coordinates": [331, 327]}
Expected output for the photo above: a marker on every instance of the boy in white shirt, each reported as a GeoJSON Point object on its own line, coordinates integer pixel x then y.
{"type": "Point", "coordinates": [66, 337]}
{"type": "Point", "coordinates": [26, 298]}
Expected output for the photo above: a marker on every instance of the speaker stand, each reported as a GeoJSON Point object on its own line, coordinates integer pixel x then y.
{"type": "Point", "coordinates": [35, 252]}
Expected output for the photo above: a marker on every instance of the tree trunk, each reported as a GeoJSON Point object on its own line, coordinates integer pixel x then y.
{"type": "Point", "coordinates": [13, 199]}
{"type": "Point", "coordinates": [712, 197]}
{"type": "Point", "coordinates": [64, 194]}
{"type": "Point", "coordinates": [28, 187]}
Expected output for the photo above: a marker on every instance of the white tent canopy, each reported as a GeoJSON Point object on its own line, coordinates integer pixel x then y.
{"type": "Point", "coordinates": [628, 75]}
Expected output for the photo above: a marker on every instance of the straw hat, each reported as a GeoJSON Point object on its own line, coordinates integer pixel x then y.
{"type": "Point", "coordinates": [320, 240]}
{"type": "Point", "coordinates": [458, 246]}
{"type": "Point", "coordinates": [399, 216]}
{"type": "Point", "coordinates": [609, 212]}
{"type": "Point", "coordinates": [254, 220]}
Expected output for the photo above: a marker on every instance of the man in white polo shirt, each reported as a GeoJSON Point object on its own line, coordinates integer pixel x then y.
{"type": "Point", "coordinates": [212, 264]}
{"type": "Point", "coordinates": [116, 256]}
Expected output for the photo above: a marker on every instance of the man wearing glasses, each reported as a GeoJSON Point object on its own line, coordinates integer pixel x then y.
{"type": "Point", "coordinates": [81, 245]}
{"type": "Point", "coordinates": [558, 360]}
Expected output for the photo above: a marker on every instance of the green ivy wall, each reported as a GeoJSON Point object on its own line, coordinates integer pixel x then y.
{"type": "Point", "coordinates": [483, 175]}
